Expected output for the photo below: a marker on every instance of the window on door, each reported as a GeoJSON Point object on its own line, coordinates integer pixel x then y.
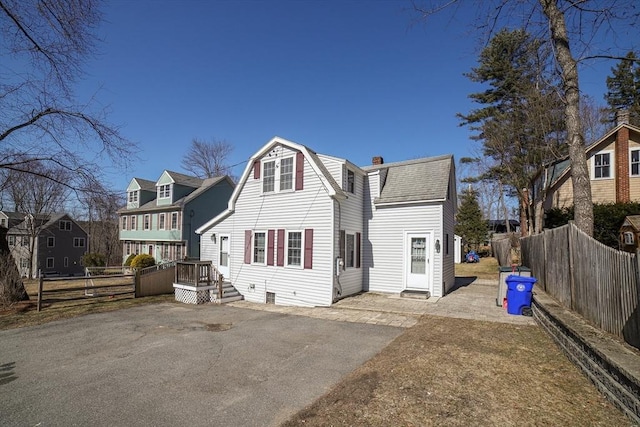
{"type": "Point", "coordinates": [418, 255]}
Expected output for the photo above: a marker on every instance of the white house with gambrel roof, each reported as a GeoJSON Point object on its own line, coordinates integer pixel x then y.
{"type": "Point", "coordinates": [303, 228]}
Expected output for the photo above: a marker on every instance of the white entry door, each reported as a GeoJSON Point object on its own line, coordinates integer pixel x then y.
{"type": "Point", "coordinates": [417, 262]}
{"type": "Point", "coordinates": [223, 265]}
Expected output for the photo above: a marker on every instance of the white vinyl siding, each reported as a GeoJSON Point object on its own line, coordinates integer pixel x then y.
{"type": "Point", "coordinates": [309, 208]}
{"type": "Point", "coordinates": [349, 217]}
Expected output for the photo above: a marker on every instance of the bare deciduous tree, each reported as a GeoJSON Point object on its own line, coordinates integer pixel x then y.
{"type": "Point", "coordinates": [101, 210]}
{"type": "Point", "coordinates": [206, 159]}
{"type": "Point", "coordinates": [43, 47]}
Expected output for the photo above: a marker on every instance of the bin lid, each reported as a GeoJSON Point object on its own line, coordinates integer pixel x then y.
{"type": "Point", "coordinates": [516, 269]}
{"type": "Point", "coordinates": [520, 279]}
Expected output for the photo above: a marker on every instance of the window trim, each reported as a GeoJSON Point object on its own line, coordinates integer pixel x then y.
{"type": "Point", "coordinates": [254, 248]}
{"type": "Point", "coordinates": [146, 225]}
{"type": "Point", "coordinates": [65, 261]}
{"type": "Point", "coordinates": [277, 173]}
{"type": "Point", "coordinates": [77, 240]}
{"type": "Point", "coordinates": [64, 225]}
{"type": "Point", "coordinates": [125, 223]}
{"type": "Point", "coordinates": [350, 186]}
{"type": "Point", "coordinates": [301, 249]}
{"type": "Point", "coordinates": [628, 238]}
{"type": "Point", "coordinates": [53, 262]}
{"type": "Point", "coordinates": [174, 214]}
{"type": "Point", "coordinates": [133, 196]}
{"type": "Point", "coordinates": [164, 191]}
{"type": "Point", "coordinates": [611, 165]}
{"type": "Point", "coordinates": [631, 163]}
{"type": "Point", "coordinates": [51, 242]}
{"type": "Point", "coordinates": [11, 240]}
{"type": "Point", "coordinates": [162, 221]}
{"type": "Point", "coordinates": [132, 222]}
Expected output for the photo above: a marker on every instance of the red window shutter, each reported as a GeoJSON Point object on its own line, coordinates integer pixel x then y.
{"type": "Point", "coordinates": [299, 171]}
{"type": "Point", "coordinates": [341, 242]}
{"type": "Point", "coordinates": [247, 246]}
{"type": "Point", "coordinates": [271, 234]}
{"type": "Point", "coordinates": [308, 248]}
{"type": "Point", "coordinates": [280, 260]}
{"type": "Point", "coordinates": [358, 247]}
{"type": "Point", "coordinates": [256, 169]}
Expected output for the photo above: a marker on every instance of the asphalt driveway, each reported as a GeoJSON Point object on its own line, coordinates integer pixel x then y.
{"type": "Point", "coordinates": [170, 364]}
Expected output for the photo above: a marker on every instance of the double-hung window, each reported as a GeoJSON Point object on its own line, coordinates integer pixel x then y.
{"type": "Point", "coordinates": [259, 248]}
{"type": "Point", "coordinates": [286, 173]}
{"type": "Point", "coordinates": [350, 251]}
{"type": "Point", "coordinates": [51, 241]}
{"type": "Point", "coordinates": [164, 191]}
{"type": "Point", "coordinates": [124, 222]}
{"type": "Point", "coordinates": [602, 165]}
{"type": "Point", "coordinates": [133, 196]}
{"type": "Point", "coordinates": [628, 238]}
{"type": "Point", "coordinates": [174, 220]}
{"type": "Point", "coordinates": [65, 225]}
{"type": "Point", "coordinates": [147, 222]}
{"type": "Point", "coordinates": [269, 176]}
{"type": "Point", "coordinates": [50, 263]}
{"type": "Point", "coordinates": [133, 222]}
{"type": "Point", "coordinates": [12, 240]}
{"type": "Point", "coordinates": [351, 181]}
{"type": "Point", "coordinates": [294, 248]}
{"type": "Point", "coordinates": [161, 219]}
{"type": "Point", "coordinates": [634, 158]}
{"type": "Point", "coordinates": [278, 174]}
{"type": "Point", "coordinates": [78, 242]}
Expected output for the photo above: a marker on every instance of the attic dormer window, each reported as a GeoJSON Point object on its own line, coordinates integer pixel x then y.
{"type": "Point", "coordinates": [133, 196]}
{"type": "Point", "coordinates": [164, 191]}
{"type": "Point", "coordinates": [278, 175]}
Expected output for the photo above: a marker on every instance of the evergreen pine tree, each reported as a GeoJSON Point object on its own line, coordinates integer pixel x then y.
{"type": "Point", "coordinates": [470, 224]}
{"type": "Point", "coordinates": [623, 89]}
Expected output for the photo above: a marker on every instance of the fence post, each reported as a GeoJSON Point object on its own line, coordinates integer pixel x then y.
{"type": "Point", "coordinates": [137, 283]}
{"type": "Point", "coordinates": [572, 279]}
{"type": "Point", "coordinates": [40, 289]}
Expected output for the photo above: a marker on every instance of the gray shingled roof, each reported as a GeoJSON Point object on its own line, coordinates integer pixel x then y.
{"type": "Point", "coordinates": [415, 180]}
{"type": "Point", "coordinates": [186, 180]}
{"type": "Point", "coordinates": [634, 220]}
{"type": "Point", "coordinates": [145, 184]}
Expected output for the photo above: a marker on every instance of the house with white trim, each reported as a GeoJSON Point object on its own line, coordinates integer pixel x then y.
{"type": "Point", "coordinates": [161, 217]}
{"type": "Point", "coordinates": [306, 229]}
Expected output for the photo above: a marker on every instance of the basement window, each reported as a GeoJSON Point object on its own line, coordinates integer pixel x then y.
{"type": "Point", "coordinates": [271, 298]}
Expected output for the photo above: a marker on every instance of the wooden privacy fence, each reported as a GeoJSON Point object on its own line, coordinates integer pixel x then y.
{"type": "Point", "coordinates": [502, 250]}
{"type": "Point", "coordinates": [156, 280]}
{"type": "Point", "coordinates": [594, 280]}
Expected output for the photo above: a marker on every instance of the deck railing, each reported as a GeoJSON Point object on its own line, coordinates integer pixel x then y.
{"type": "Point", "coordinates": [198, 273]}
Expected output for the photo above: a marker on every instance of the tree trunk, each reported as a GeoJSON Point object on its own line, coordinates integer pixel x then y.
{"type": "Point", "coordinates": [582, 201]}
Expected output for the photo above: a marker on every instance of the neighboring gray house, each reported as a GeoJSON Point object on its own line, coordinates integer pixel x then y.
{"type": "Point", "coordinates": [161, 217]}
{"type": "Point", "coordinates": [302, 228]}
{"type": "Point", "coordinates": [57, 242]}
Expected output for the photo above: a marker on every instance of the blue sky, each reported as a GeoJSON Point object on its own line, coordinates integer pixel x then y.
{"type": "Point", "coordinates": [352, 79]}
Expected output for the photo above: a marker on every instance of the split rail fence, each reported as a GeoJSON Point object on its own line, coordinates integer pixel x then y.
{"type": "Point", "coordinates": [598, 282]}
{"type": "Point", "coordinates": [109, 282]}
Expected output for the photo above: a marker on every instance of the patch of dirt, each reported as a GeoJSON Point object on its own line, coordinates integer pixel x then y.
{"type": "Point", "coordinates": [459, 372]}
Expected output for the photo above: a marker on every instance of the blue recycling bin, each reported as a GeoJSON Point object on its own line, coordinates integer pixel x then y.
{"type": "Point", "coordinates": [519, 293]}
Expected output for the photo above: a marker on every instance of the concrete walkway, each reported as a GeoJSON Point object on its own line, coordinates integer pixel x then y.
{"type": "Point", "coordinates": [476, 301]}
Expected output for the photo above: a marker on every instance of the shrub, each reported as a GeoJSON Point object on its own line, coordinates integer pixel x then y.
{"type": "Point", "coordinates": [94, 260]}
{"type": "Point", "coordinates": [130, 258]}
{"type": "Point", "coordinates": [607, 219]}
{"type": "Point", "coordinates": [143, 261]}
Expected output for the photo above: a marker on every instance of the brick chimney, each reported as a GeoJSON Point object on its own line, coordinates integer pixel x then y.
{"type": "Point", "coordinates": [622, 158]}
{"type": "Point", "coordinates": [377, 160]}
